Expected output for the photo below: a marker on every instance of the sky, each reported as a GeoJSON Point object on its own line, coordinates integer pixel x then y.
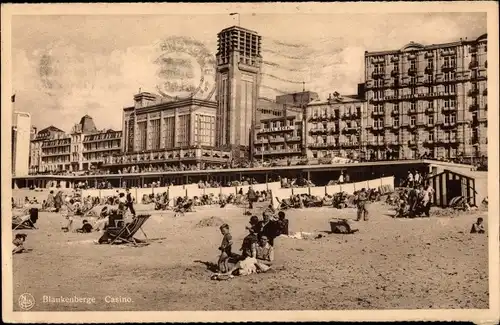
{"type": "Point", "coordinates": [67, 66]}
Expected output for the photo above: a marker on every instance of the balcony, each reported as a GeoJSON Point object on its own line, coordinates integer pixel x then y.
{"type": "Point", "coordinates": [448, 66]}
{"type": "Point", "coordinates": [395, 112]}
{"type": "Point", "coordinates": [276, 129]}
{"type": "Point", "coordinates": [314, 118]}
{"type": "Point", "coordinates": [429, 109]}
{"type": "Point", "coordinates": [412, 111]}
{"type": "Point", "coordinates": [429, 55]}
{"type": "Point", "coordinates": [429, 69]}
{"type": "Point", "coordinates": [350, 145]}
{"type": "Point", "coordinates": [411, 56]}
{"type": "Point", "coordinates": [475, 141]}
{"type": "Point", "coordinates": [378, 113]}
{"type": "Point", "coordinates": [378, 60]}
{"type": "Point", "coordinates": [260, 141]}
{"type": "Point", "coordinates": [448, 108]}
{"type": "Point", "coordinates": [277, 151]}
{"type": "Point", "coordinates": [394, 58]}
{"type": "Point", "coordinates": [378, 74]}
{"type": "Point", "coordinates": [323, 145]}
{"type": "Point", "coordinates": [350, 129]}
{"type": "Point", "coordinates": [473, 92]}
{"type": "Point", "coordinates": [429, 125]}
{"type": "Point", "coordinates": [485, 92]}
{"type": "Point", "coordinates": [395, 126]}
{"type": "Point", "coordinates": [277, 139]}
{"type": "Point", "coordinates": [447, 52]}
{"type": "Point", "coordinates": [473, 65]}
{"type": "Point", "coordinates": [412, 71]}
{"type": "Point", "coordinates": [395, 73]}
{"type": "Point", "coordinates": [449, 124]}
{"type": "Point", "coordinates": [318, 131]}
{"type": "Point", "coordinates": [293, 138]}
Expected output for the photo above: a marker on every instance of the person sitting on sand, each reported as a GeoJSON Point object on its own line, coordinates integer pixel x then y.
{"type": "Point", "coordinates": [248, 247]}
{"type": "Point", "coordinates": [478, 227]}
{"type": "Point", "coordinates": [225, 248]}
{"type": "Point", "coordinates": [86, 228]}
{"type": "Point", "coordinates": [18, 243]}
{"type": "Point", "coordinates": [268, 228]}
{"type": "Point", "coordinates": [265, 254]}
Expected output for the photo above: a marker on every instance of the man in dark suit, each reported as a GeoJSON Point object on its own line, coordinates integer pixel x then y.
{"type": "Point", "coordinates": [130, 202]}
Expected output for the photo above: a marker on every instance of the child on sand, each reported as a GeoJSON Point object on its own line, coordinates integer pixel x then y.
{"type": "Point", "coordinates": [18, 244]}
{"type": "Point", "coordinates": [86, 228]}
{"type": "Point", "coordinates": [225, 248]}
{"type": "Point", "coordinates": [478, 227]}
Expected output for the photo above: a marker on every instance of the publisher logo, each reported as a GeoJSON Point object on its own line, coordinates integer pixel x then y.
{"type": "Point", "coordinates": [26, 301]}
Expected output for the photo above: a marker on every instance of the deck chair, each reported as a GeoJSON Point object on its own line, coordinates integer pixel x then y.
{"type": "Point", "coordinates": [27, 221]}
{"type": "Point", "coordinates": [125, 234]}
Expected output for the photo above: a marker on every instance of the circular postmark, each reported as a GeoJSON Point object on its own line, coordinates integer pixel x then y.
{"type": "Point", "coordinates": [26, 301]}
{"type": "Point", "coordinates": [186, 69]}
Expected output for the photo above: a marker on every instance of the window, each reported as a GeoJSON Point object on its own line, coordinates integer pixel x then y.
{"type": "Point", "coordinates": [449, 88]}
{"type": "Point", "coordinates": [447, 119]}
{"type": "Point", "coordinates": [453, 118]}
{"type": "Point", "coordinates": [413, 106]}
{"type": "Point", "coordinates": [413, 80]}
{"type": "Point", "coordinates": [430, 119]}
{"type": "Point", "coordinates": [396, 67]}
{"type": "Point", "coordinates": [449, 103]}
{"type": "Point", "coordinates": [413, 120]}
{"type": "Point", "coordinates": [430, 63]}
{"type": "Point", "coordinates": [395, 121]}
{"type": "Point", "coordinates": [446, 62]}
{"type": "Point", "coordinates": [413, 64]}
{"type": "Point", "coordinates": [429, 78]}
{"type": "Point", "coordinates": [431, 136]}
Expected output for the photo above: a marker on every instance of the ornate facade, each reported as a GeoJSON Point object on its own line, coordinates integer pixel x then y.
{"type": "Point", "coordinates": [428, 101]}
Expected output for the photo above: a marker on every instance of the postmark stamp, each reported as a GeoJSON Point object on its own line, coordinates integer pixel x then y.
{"type": "Point", "coordinates": [186, 68]}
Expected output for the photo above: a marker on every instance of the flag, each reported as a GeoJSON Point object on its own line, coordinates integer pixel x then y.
{"type": "Point", "coordinates": [233, 13]}
{"type": "Point", "coordinates": [13, 98]}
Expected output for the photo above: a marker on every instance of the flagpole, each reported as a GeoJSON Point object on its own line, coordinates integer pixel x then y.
{"type": "Point", "coordinates": [236, 13]}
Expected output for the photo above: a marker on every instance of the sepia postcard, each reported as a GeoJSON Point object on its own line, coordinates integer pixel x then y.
{"type": "Point", "coordinates": [240, 162]}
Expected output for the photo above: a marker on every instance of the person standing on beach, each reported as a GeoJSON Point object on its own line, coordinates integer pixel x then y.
{"type": "Point", "coordinates": [252, 197]}
{"type": "Point", "coordinates": [130, 202]}
{"type": "Point", "coordinates": [361, 201]}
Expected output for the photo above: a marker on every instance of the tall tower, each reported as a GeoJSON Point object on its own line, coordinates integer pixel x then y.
{"type": "Point", "coordinates": [238, 80]}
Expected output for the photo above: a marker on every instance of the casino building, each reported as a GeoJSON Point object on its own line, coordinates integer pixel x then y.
{"type": "Point", "coordinates": [158, 133]}
{"type": "Point", "coordinates": [238, 78]}
{"type": "Point", "coordinates": [428, 100]}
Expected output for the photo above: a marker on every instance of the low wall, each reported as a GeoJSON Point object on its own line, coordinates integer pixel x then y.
{"type": "Point", "coordinates": [192, 190]}
{"type": "Point", "coordinates": [175, 191]}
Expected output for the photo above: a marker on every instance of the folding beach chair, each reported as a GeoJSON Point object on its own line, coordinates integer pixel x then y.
{"type": "Point", "coordinates": [27, 221]}
{"type": "Point", "coordinates": [125, 234]}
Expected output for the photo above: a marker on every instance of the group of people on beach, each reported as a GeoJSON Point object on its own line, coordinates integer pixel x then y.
{"type": "Point", "coordinates": [257, 249]}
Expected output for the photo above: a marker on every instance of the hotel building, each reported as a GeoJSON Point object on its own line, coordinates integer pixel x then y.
{"type": "Point", "coordinates": [279, 133]}
{"type": "Point", "coordinates": [168, 134]}
{"type": "Point", "coordinates": [427, 101]}
{"type": "Point", "coordinates": [335, 127]}
{"type": "Point", "coordinates": [85, 147]}
{"type": "Point", "coordinates": [238, 79]}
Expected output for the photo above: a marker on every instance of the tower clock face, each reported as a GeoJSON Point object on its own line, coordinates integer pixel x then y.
{"type": "Point", "coordinates": [186, 69]}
